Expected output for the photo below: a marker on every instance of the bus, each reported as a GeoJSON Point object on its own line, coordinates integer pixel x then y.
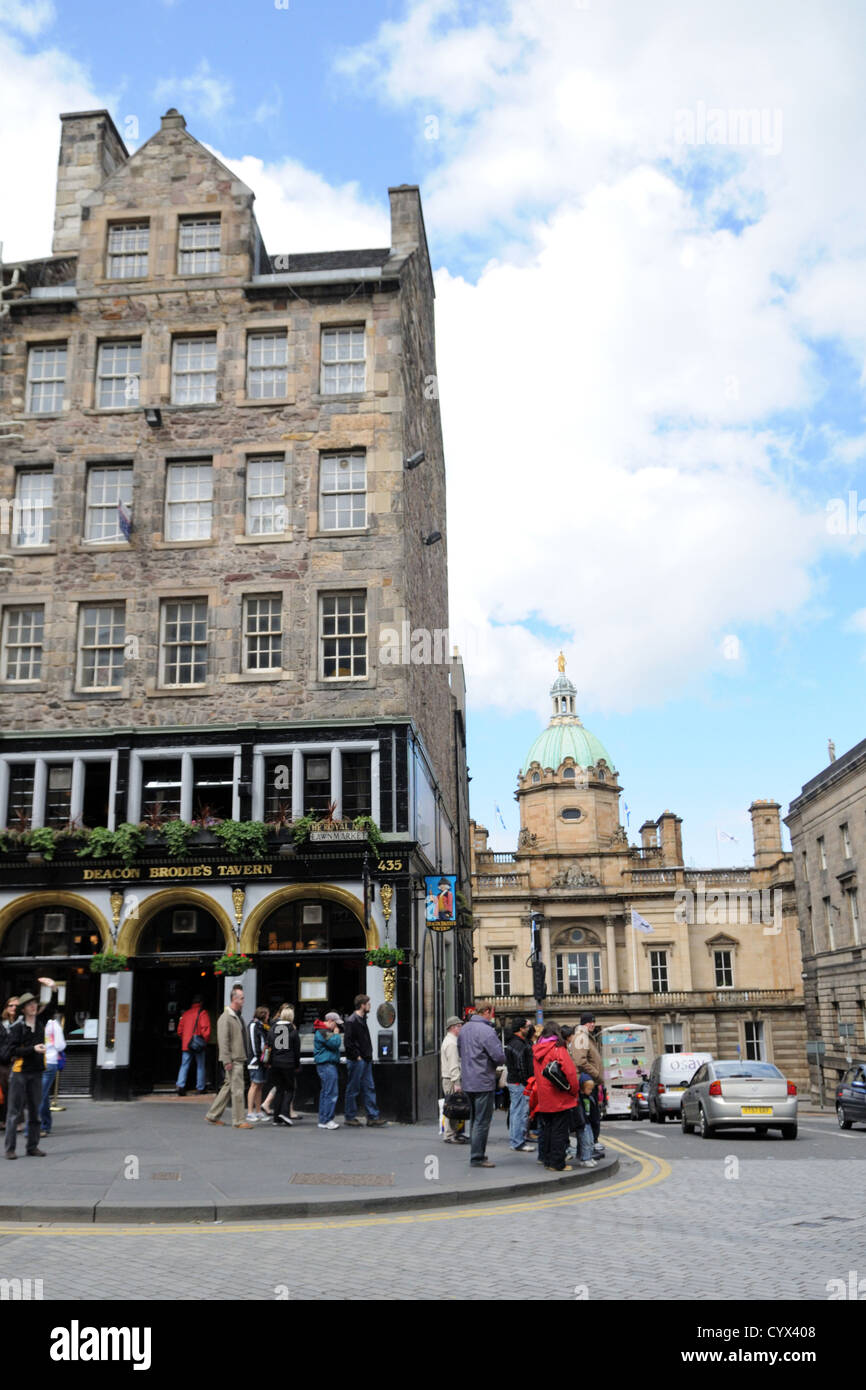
{"type": "Point", "coordinates": [626, 1053]}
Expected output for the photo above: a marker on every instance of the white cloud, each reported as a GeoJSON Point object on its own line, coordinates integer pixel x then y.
{"type": "Point", "coordinates": [298, 210]}
{"type": "Point", "coordinates": [29, 17]}
{"type": "Point", "coordinates": [204, 93]}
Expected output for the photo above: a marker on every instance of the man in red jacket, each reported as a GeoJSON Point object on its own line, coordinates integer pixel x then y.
{"type": "Point", "coordinates": [194, 1033]}
{"type": "Point", "coordinates": [554, 1102]}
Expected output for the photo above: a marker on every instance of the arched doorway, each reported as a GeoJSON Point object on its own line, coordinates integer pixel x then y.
{"type": "Point", "coordinates": [55, 934]}
{"type": "Point", "coordinates": [179, 938]}
{"type": "Point", "coordinates": [312, 955]}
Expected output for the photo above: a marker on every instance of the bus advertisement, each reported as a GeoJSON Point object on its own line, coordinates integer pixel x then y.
{"type": "Point", "coordinates": [626, 1054]}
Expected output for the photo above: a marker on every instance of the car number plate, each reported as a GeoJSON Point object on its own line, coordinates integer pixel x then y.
{"type": "Point", "coordinates": [756, 1109]}
{"type": "Point", "coordinates": [677, 1088]}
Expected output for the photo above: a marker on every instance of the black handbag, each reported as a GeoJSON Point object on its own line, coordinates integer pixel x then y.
{"type": "Point", "coordinates": [554, 1073]}
{"type": "Point", "coordinates": [457, 1106]}
{"type": "Point", "coordinates": [196, 1042]}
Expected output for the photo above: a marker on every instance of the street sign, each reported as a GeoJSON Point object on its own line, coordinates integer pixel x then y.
{"type": "Point", "coordinates": [815, 1048]}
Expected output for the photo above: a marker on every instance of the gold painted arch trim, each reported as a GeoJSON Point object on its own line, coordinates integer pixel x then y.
{"type": "Point", "coordinates": [29, 902]}
{"type": "Point", "coordinates": [328, 892]}
{"type": "Point", "coordinates": [132, 928]}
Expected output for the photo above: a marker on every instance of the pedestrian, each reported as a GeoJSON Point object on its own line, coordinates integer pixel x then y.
{"type": "Point", "coordinates": [326, 1055]}
{"type": "Point", "coordinates": [359, 1063]}
{"type": "Point", "coordinates": [259, 1050]}
{"type": "Point", "coordinates": [587, 1058]}
{"type": "Point", "coordinates": [24, 1051]}
{"type": "Point", "coordinates": [583, 1110]}
{"type": "Point", "coordinates": [449, 1068]}
{"type": "Point", "coordinates": [480, 1055]}
{"type": "Point", "coordinates": [556, 1097]}
{"type": "Point", "coordinates": [7, 1018]}
{"type": "Point", "coordinates": [285, 1063]}
{"type": "Point", "coordinates": [193, 1030]}
{"type": "Point", "coordinates": [55, 1060]}
{"type": "Point", "coordinates": [232, 1051]}
{"type": "Point", "coordinates": [518, 1058]}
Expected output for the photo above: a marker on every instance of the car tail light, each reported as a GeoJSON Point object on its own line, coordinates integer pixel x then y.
{"type": "Point", "coordinates": [715, 1088]}
{"type": "Point", "coordinates": [660, 1090]}
{"type": "Point", "coordinates": [792, 1089]}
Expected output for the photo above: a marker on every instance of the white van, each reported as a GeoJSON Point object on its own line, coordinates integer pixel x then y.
{"type": "Point", "coordinates": [669, 1076]}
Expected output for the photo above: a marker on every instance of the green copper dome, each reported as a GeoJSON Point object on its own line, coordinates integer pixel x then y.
{"type": "Point", "coordinates": [565, 736]}
{"type": "Point", "coordinates": [561, 741]}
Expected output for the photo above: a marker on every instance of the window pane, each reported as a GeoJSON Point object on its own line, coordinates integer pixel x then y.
{"type": "Point", "coordinates": [263, 628]}
{"type": "Point", "coordinates": [194, 362]}
{"type": "Point", "coordinates": [199, 245]}
{"type": "Point", "coordinates": [34, 507]}
{"type": "Point", "coordinates": [184, 646]}
{"type": "Point", "coordinates": [22, 643]}
{"type": "Point", "coordinates": [103, 634]}
{"type": "Point", "coordinates": [46, 376]}
{"type": "Point", "coordinates": [189, 501]}
{"type": "Point", "coordinates": [343, 367]}
{"type": "Point", "coordinates": [266, 490]}
{"type": "Point", "coordinates": [127, 249]}
{"type": "Point", "coordinates": [107, 489]}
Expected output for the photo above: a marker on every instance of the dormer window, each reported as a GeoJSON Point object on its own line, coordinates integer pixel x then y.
{"type": "Point", "coordinates": [536, 777]}
{"type": "Point", "coordinates": [198, 247]}
{"type": "Point", "coordinates": [128, 245]}
{"type": "Point", "coordinates": [569, 773]}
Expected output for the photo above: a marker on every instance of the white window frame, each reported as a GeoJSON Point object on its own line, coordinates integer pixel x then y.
{"type": "Point", "coordinates": [42, 762]}
{"type": "Point", "coordinates": [344, 356]}
{"type": "Point", "coordinates": [846, 840]}
{"type": "Point", "coordinates": [723, 968]}
{"type": "Point", "coordinates": [37, 352]}
{"type": "Point", "coordinates": [193, 507]}
{"type": "Point", "coordinates": [187, 756]}
{"type": "Point", "coordinates": [8, 611]}
{"type": "Point", "coordinates": [294, 754]}
{"type": "Point", "coordinates": [93, 510]}
{"type": "Point", "coordinates": [352, 636]}
{"type": "Point", "coordinates": [248, 636]}
{"type": "Point", "coordinates": [202, 245]}
{"type": "Point", "coordinates": [331, 466]}
{"type": "Point", "coordinates": [759, 1040]}
{"type": "Point", "coordinates": [273, 370]}
{"type": "Point", "coordinates": [501, 972]}
{"type": "Point", "coordinates": [659, 968]}
{"type": "Point", "coordinates": [591, 961]}
{"type": "Point", "coordinates": [123, 259]}
{"type": "Point", "coordinates": [196, 643]}
{"type": "Point", "coordinates": [279, 511]}
{"type": "Point", "coordinates": [107, 372]}
{"type": "Point", "coordinates": [29, 525]}
{"type": "Point", "coordinates": [673, 1039]}
{"type": "Point", "coordinates": [111, 646]}
{"type": "Point", "coordinates": [194, 364]}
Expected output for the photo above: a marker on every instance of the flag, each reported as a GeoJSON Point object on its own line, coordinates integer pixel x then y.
{"type": "Point", "coordinates": [499, 814]}
{"type": "Point", "coordinates": [723, 835]}
{"type": "Point", "coordinates": [124, 521]}
{"type": "Point", "coordinates": [639, 923]}
{"type": "Point", "coordinates": [627, 813]}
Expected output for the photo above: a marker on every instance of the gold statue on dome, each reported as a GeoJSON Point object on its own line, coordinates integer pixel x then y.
{"type": "Point", "coordinates": [560, 664]}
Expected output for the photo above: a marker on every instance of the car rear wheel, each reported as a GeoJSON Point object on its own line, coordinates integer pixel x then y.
{"type": "Point", "coordinates": [840, 1116]}
{"type": "Point", "coordinates": [704, 1127]}
{"type": "Point", "coordinates": [687, 1128]}
{"type": "Point", "coordinates": [789, 1132]}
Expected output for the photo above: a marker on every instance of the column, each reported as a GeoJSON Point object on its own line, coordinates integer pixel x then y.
{"type": "Point", "coordinates": [186, 775]}
{"type": "Point", "coordinates": [76, 792]}
{"type": "Point", "coordinates": [40, 786]}
{"type": "Point", "coordinates": [297, 784]}
{"type": "Point", "coordinates": [610, 940]}
{"type": "Point", "coordinates": [337, 782]}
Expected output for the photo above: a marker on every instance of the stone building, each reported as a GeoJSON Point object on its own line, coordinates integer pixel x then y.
{"type": "Point", "coordinates": [720, 970]}
{"type": "Point", "coordinates": [827, 822]}
{"type": "Point", "coordinates": [223, 527]}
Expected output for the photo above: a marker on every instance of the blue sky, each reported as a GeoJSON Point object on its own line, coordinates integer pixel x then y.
{"type": "Point", "coordinates": [651, 354]}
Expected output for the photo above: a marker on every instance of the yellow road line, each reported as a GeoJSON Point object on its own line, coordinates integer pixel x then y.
{"type": "Point", "coordinates": [652, 1170]}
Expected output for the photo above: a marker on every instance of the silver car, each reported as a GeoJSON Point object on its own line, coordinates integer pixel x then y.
{"type": "Point", "coordinates": [736, 1095]}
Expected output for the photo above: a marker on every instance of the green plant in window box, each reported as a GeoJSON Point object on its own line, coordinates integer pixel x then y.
{"type": "Point", "coordinates": [42, 841]}
{"type": "Point", "coordinates": [231, 963]}
{"type": "Point", "coordinates": [386, 957]}
{"type": "Point", "coordinates": [247, 839]}
{"type": "Point", "coordinates": [124, 843]}
{"type": "Point", "coordinates": [108, 963]}
{"type": "Point", "coordinates": [301, 827]}
{"type": "Point", "coordinates": [177, 835]}
{"type": "Point", "coordinates": [374, 834]}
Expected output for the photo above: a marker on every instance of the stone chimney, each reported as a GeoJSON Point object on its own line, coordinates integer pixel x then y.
{"type": "Point", "coordinates": [407, 226]}
{"type": "Point", "coordinates": [648, 834]}
{"type": "Point", "coordinates": [90, 150]}
{"type": "Point", "coordinates": [766, 832]}
{"type": "Point", "coordinates": [670, 838]}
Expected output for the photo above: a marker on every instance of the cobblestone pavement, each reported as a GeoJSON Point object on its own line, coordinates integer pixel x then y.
{"type": "Point", "coordinates": [731, 1218]}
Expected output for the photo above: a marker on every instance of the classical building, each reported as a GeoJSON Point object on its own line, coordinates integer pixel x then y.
{"type": "Point", "coordinates": [828, 838]}
{"type": "Point", "coordinates": [719, 972]}
{"type": "Point", "coordinates": [223, 582]}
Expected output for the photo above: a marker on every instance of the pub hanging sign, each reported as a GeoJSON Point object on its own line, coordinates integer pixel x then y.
{"type": "Point", "coordinates": [441, 901]}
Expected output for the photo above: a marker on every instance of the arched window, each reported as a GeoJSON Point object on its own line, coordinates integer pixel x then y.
{"type": "Point", "coordinates": [51, 931]}
{"type": "Point", "coordinates": [181, 928]}
{"type": "Point", "coordinates": [536, 777]}
{"type": "Point", "coordinates": [312, 926]}
{"type": "Point", "coordinates": [569, 773]}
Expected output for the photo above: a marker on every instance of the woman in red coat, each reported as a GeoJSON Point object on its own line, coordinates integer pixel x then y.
{"type": "Point", "coordinates": [554, 1103]}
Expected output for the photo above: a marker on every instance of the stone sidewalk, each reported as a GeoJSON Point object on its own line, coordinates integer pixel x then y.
{"type": "Point", "coordinates": [157, 1160]}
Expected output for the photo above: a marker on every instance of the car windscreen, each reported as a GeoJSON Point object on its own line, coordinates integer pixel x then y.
{"type": "Point", "coordinates": [755, 1070]}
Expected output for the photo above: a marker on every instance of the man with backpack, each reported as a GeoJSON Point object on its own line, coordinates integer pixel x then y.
{"type": "Point", "coordinates": [518, 1059]}
{"type": "Point", "coordinates": [194, 1033]}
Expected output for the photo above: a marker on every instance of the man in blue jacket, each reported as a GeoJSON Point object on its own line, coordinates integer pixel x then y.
{"type": "Point", "coordinates": [480, 1054]}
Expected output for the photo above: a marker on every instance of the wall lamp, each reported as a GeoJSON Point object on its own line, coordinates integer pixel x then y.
{"type": "Point", "coordinates": [432, 538]}
{"type": "Point", "coordinates": [153, 415]}
{"type": "Point", "coordinates": [414, 460]}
